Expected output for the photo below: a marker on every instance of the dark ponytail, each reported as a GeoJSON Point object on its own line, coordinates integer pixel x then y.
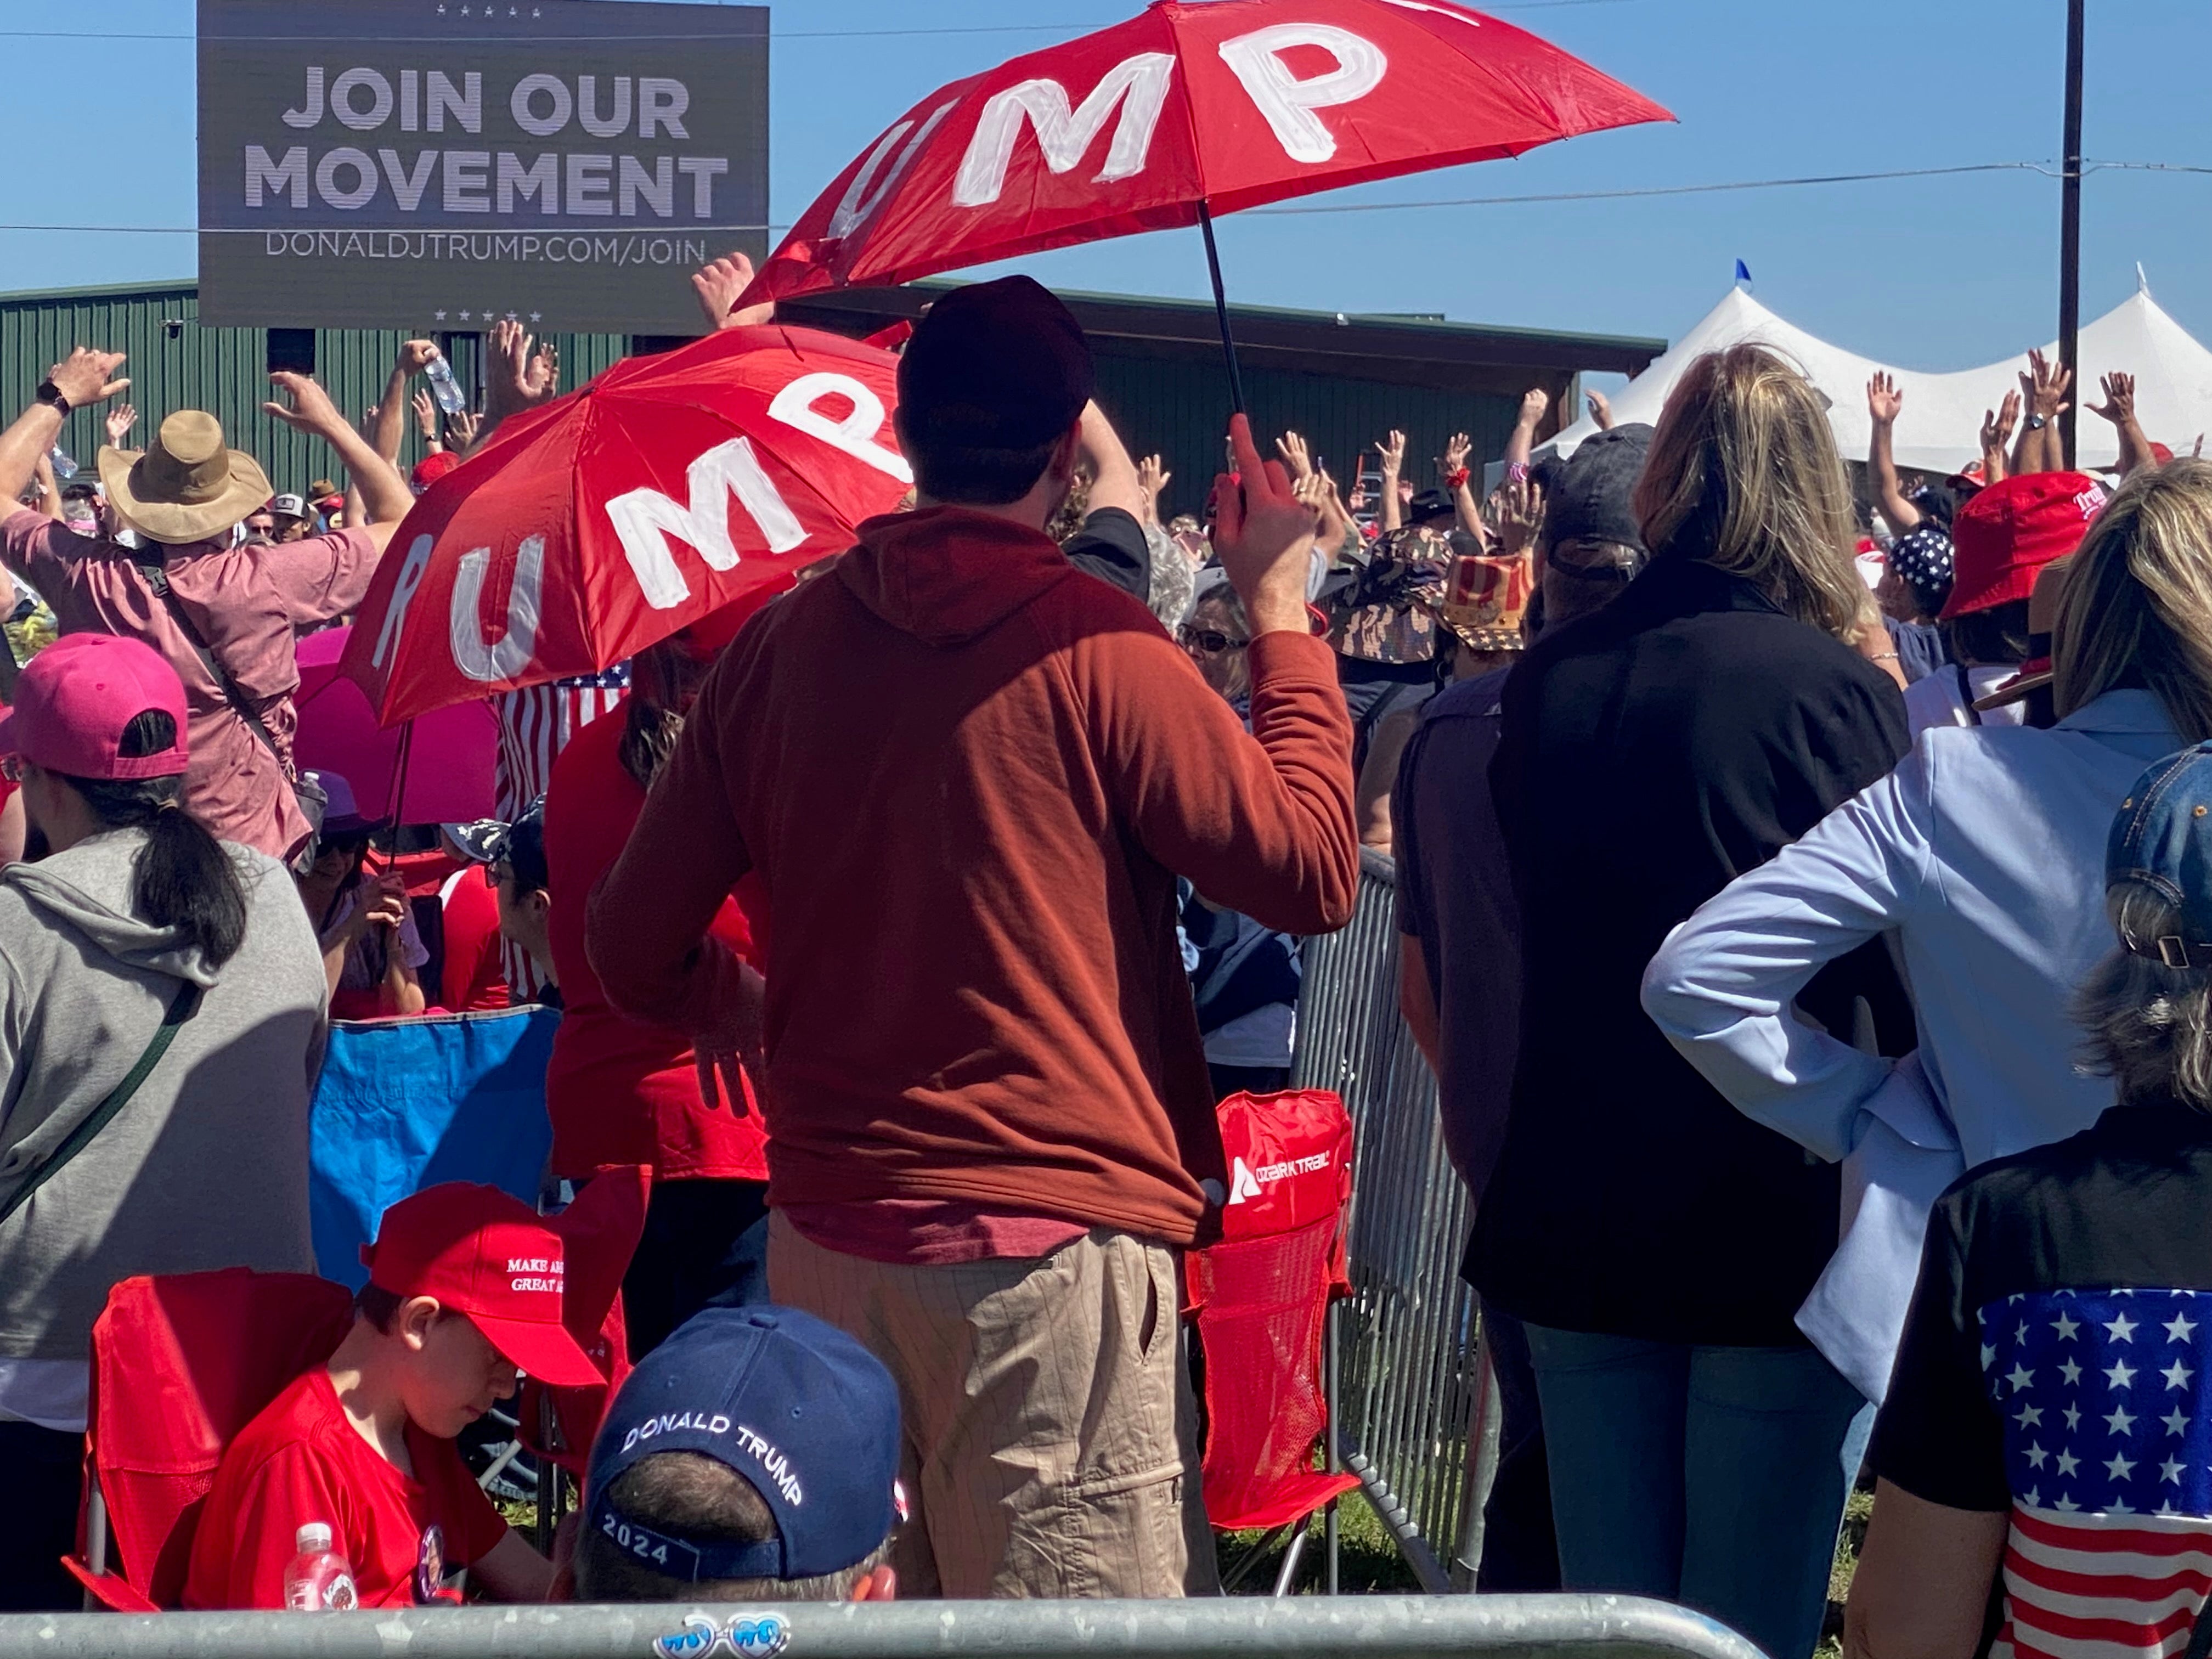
{"type": "Point", "coordinates": [664, 680]}
{"type": "Point", "coordinates": [183, 877]}
{"type": "Point", "coordinates": [649, 734]}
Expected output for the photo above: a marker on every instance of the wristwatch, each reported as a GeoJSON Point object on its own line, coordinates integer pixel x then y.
{"type": "Point", "coordinates": [2037, 422]}
{"type": "Point", "coordinates": [48, 392]}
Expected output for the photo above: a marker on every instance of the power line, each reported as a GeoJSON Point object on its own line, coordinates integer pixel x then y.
{"type": "Point", "coordinates": [2047, 169]}
{"type": "Point", "coordinates": [1662, 190]}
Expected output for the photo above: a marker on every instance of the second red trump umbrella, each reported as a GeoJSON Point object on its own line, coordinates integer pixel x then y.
{"type": "Point", "coordinates": [1184, 111]}
{"type": "Point", "coordinates": [667, 488]}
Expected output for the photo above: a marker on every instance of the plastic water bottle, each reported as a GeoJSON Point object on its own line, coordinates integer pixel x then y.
{"type": "Point", "coordinates": [319, 1579]}
{"type": "Point", "coordinates": [443, 387]}
{"type": "Point", "coordinates": [64, 463]}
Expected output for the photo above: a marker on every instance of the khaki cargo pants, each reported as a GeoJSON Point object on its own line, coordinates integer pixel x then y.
{"type": "Point", "coordinates": [1051, 1433]}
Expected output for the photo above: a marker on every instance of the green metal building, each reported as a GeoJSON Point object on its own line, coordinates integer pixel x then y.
{"type": "Point", "coordinates": [1342, 380]}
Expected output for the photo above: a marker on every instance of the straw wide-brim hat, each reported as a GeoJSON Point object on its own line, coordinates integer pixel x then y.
{"type": "Point", "coordinates": [187, 485]}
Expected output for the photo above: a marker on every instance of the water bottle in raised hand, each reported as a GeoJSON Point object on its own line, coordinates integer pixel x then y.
{"type": "Point", "coordinates": [443, 387]}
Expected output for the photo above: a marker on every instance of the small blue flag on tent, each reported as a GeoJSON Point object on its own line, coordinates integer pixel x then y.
{"type": "Point", "coordinates": [1742, 271]}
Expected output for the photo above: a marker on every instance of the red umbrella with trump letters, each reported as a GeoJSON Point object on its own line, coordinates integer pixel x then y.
{"type": "Point", "coordinates": [588, 529]}
{"type": "Point", "coordinates": [1184, 111]}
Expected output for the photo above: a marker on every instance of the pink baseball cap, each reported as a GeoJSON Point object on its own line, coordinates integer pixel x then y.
{"type": "Point", "coordinates": [75, 699]}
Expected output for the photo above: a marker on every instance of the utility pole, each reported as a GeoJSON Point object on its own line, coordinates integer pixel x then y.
{"type": "Point", "coordinates": [2070, 231]}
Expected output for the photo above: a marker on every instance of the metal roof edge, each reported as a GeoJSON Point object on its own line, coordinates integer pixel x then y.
{"type": "Point", "coordinates": [183, 285]}
{"type": "Point", "coordinates": [1388, 320]}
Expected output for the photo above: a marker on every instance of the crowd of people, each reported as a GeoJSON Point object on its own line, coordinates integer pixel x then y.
{"type": "Point", "coordinates": [1805, 902]}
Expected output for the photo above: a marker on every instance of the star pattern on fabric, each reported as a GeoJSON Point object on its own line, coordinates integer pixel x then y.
{"type": "Point", "coordinates": [2052, 1361]}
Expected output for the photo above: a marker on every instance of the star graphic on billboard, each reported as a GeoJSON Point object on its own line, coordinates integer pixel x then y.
{"type": "Point", "coordinates": [438, 316]}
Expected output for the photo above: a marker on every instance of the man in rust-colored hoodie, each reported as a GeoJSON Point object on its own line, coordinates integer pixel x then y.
{"type": "Point", "coordinates": [969, 776]}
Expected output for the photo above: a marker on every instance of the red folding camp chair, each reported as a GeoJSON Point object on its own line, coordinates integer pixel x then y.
{"type": "Point", "coordinates": [179, 1365]}
{"type": "Point", "coordinates": [1262, 1296]}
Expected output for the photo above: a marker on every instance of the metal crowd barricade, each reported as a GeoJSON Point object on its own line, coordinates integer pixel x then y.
{"type": "Point", "coordinates": [1411, 1374]}
{"type": "Point", "coordinates": [1378, 1627]}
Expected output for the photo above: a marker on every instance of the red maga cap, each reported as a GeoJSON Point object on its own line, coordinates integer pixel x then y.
{"type": "Point", "coordinates": [2012, 530]}
{"type": "Point", "coordinates": [482, 1253]}
{"type": "Point", "coordinates": [77, 697]}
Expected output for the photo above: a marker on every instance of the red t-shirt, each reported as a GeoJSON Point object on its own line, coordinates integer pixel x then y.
{"type": "Point", "coordinates": [473, 979]}
{"type": "Point", "coordinates": [302, 1461]}
{"type": "Point", "coordinates": [620, 1091]}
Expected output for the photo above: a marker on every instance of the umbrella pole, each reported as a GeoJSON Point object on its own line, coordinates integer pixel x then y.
{"type": "Point", "coordinates": [1221, 310]}
{"type": "Point", "coordinates": [399, 773]}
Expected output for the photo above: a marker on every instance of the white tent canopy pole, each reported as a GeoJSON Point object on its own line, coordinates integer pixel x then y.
{"type": "Point", "coordinates": [1939, 428]}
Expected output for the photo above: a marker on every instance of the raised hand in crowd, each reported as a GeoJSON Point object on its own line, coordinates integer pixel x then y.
{"type": "Point", "coordinates": [426, 418]}
{"type": "Point", "coordinates": [1884, 400]}
{"type": "Point", "coordinates": [1263, 535]}
{"type": "Point", "coordinates": [1997, 432]}
{"type": "Point", "coordinates": [1152, 478]}
{"type": "Point", "coordinates": [1105, 461]}
{"type": "Point", "coordinates": [1520, 505]}
{"type": "Point", "coordinates": [1292, 449]}
{"type": "Point", "coordinates": [390, 425]}
{"type": "Point", "coordinates": [1390, 461]}
{"type": "Point", "coordinates": [2044, 389]}
{"type": "Point", "coordinates": [2119, 408]}
{"type": "Point", "coordinates": [1522, 441]}
{"type": "Point", "coordinates": [80, 380]}
{"type": "Point", "coordinates": [1336, 523]}
{"type": "Point", "coordinates": [717, 284]}
{"type": "Point", "coordinates": [385, 494]}
{"type": "Point", "coordinates": [515, 379]}
{"type": "Point", "coordinates": [461, 431]}
{"type": "Point", "coordinates": [1600, 410]}
{"type": "Point", "coordinates": [1459, 478]}
{"type": "Point", "coordinates": [121, 419]}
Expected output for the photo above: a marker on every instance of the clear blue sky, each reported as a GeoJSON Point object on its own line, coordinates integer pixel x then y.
{"type": "Point", "coordinates": [1929, 273]}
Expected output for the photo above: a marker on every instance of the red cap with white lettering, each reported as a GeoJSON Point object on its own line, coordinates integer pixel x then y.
{"type": "Point", "coordinates": [489, 1255]}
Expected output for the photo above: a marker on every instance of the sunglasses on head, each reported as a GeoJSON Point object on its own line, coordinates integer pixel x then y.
{"type": "Point", "coordinates": [1211, 641]}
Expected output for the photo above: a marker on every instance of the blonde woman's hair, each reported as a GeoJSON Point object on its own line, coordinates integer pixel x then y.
{"type": "Point", "coordinates": [2137, 610]}
{"type": "Point", "coordinates": [1743, 475]}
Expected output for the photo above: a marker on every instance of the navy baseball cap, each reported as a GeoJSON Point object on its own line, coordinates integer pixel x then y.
{"type": "Point", "coordinates": [2163, 839]}
{"type": "Point", "coordinates": [803, 1412]}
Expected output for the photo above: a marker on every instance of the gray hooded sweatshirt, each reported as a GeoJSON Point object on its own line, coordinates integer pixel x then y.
{"type": "Point", "coordinates": [207, 1165]}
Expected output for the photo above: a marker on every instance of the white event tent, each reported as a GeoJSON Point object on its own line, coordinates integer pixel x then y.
{"type": "Point", "coordinates": [1938, 429]}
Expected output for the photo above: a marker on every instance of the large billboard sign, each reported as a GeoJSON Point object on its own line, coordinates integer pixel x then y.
{"type": "Point", "coordinates": [429, 164]}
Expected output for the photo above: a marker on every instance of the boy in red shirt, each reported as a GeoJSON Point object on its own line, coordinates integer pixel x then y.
{"type": "Point", "coordinates": [466, 1285]}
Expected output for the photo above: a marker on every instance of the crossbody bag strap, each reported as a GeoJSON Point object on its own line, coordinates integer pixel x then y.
{"type": "Point", "coordinates": [232, 693]}
{"type": "Point", "coordinates": [182, 1007]}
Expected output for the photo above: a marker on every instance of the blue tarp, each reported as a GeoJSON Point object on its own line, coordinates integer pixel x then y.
{"type": "Point", "coordinates": [404, 1104]}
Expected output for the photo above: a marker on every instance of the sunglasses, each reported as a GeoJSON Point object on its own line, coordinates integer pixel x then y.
{"type": "Point", "coordinates": [12, 768]}
{"type": "Point", "coordinates": [1210, 640]}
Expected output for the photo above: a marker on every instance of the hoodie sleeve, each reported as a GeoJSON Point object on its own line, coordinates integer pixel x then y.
{"type": "Point", "coordinates": [1260, 822]}
{"type": "Point", "coordinates": [647, 934]}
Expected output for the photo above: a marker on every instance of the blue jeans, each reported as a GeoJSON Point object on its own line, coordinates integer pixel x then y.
{"type": "Point", "coordinates": [1709, 1476]}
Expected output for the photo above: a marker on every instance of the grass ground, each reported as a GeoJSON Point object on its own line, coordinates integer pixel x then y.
{"type": "Point", "coordinates": [1857, 1508]}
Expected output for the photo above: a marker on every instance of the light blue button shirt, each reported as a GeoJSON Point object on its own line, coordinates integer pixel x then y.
{"type": "Point", "coordinates": [1983, 856]}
